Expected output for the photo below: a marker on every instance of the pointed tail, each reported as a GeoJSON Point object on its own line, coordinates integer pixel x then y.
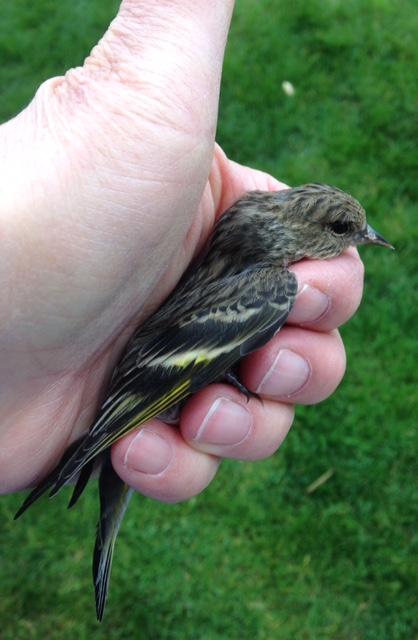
{"type": "Point", "coordinates": [82, 481]}
{"type": "Point", "coordinates": [49, 481]}
{"type": "Point", "coordinates": [114, 498]}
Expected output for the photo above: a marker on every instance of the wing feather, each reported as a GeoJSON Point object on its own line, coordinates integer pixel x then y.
{"type": "Point", "coordinates": [182, 350]}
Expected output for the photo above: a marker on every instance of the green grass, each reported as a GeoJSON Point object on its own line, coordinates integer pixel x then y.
{"type": "Point", "coordinates": [256, 556]}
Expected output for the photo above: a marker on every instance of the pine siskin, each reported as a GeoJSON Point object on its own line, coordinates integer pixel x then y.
{"type": "Point", "coordinates": [229, 303]}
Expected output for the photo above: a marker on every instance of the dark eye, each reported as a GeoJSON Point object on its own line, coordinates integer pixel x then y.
{"type": "Point", "coordinates": [340, 228]}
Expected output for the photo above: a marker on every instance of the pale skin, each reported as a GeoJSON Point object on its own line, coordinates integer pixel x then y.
{"type": "Point", "coordinates": [110, 184]}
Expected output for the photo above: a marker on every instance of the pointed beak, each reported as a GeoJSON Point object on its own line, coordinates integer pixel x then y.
{"type": "Point", "coordinates": [370, 236]}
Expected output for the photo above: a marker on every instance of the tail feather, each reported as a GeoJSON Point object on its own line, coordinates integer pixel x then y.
{"type": "Point", "coordinates": [82, 456]}
{"type": "Point", "coordinates": [49, 481]}
{"type": "Point", "coordinates": [82, 481]}
{"type": "Point", "coordinates": [35, 494]}
{"type": "Point", "coordinates": [114, 498]}
{"type": "Point", "coordinates": [117, 420]}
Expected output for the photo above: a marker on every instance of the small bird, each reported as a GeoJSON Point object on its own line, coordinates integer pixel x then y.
{"type": "Point", "coordinates": [230, 302]}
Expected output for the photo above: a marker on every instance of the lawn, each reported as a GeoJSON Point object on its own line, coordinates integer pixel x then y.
{"type": "Point", "coordinates": [257, 555]}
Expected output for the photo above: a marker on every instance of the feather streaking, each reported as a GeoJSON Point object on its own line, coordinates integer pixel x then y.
{"type": "Point", "coordinates": [235, 298]}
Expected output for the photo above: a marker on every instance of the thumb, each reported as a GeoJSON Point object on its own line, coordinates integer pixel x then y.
{"type": "Point", "coordinates": [145, 102]}
{"type": "Point", "coordinates": [229, 180]}
{"type": "Point", "coordinates": [109, 162]}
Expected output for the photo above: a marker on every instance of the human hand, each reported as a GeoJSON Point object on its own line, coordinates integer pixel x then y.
{"type": "Point", "coordinates": [111, 184]}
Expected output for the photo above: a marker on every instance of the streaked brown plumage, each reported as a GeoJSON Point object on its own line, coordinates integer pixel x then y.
{"type": "Point", "coordinates": [229, 303]}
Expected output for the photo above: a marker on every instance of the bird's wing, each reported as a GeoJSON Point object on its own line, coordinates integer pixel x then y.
{"type": "Point", "coordinates": [192, 346]}
{"type": "Point", "coordinates": [114, 493]}
{"type": "Point", "coordinates": [231, 316]}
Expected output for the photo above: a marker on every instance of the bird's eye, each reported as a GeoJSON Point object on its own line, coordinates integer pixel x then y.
{"type": "Point", "coordinates": [340, 228]}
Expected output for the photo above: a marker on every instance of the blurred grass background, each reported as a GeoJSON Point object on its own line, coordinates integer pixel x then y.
{"type": "Point", "coordinates": [257, 556]}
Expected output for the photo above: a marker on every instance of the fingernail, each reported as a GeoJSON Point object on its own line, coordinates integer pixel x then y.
{"type": "Point", "coordinates": [226, 423]}
{"type": "Point", "coordinates": [148, 453]}
{"type": "Point", "coordinates": [311, 304]}
{"type": "Point", "coordinates": [287, 375]}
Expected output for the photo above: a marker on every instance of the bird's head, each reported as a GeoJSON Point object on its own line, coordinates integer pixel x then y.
{"type": "Point", "coordinates": [321, 221]}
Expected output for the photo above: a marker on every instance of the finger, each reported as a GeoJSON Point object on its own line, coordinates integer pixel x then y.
{"type": "Point", "coordinates": [157, 462]}
{"type": "Point", "coordinates": [221, 421]}
{"type": "Point", "coordinates": [329, 291]}
{"type": "Point", "coordinates": [137, 122]}
{"type": "Point", "coordinates": [297, 365]}
{"type": "Point", "coordinates": [230, 180]}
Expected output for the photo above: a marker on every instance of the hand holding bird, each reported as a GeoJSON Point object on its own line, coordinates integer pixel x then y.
{"type": "Point", "coordinates": [230, 302]}
{"type": "Point", "coordinates": [100, 216]}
